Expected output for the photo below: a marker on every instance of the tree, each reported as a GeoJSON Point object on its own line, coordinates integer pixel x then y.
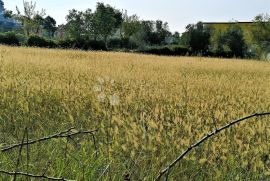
{"type": "Point", "coordinates": [82, 24]}
{"type": "Point", "coordinates": [146, 32]}
{"type": "Point", "coordinates": [8, 14]}
{"type": "Point", "coordinates": [261, 34]}
{"type": "Point", "coordinates": [131, 25]}
{"type": "Point", "coordinates": [38, 23]}
{"type": "Point", "coordinates": [149, 33]}
{"type": "Point", "coordinates": [261, 30]}
{"type": "Point", "coordinates": [74, 26]}
{"type": "Point", "coordinates": [234, 39]}
{"type": "Point", "coordinates": [27, 19]}
{"type": "Point", "coordinates": [229, 43]}
{"type": "Point", "coordinates": [89, 24]}
{"type": "Point", "coordinates": [29, 8]}
{"type": "Point", "coordinates": [197, 37]}
{"type": "Point", "coordinates": [176, 38]}
{"type": "Point", "coordinates": [107, 20]}
{"type": "Point", "coordinates": [50, 26]}
{"type": "Point", "coordinates": [161, 33]}
{"type": "Point", "coordinates": [218, 43]}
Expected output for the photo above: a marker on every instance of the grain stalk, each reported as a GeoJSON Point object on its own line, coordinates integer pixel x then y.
{"type": "Point", "coordinates": [209, 135]}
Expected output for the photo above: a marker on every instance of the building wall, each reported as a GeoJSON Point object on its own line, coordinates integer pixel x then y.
{"type": "Point", "coordinates": [246, 27]}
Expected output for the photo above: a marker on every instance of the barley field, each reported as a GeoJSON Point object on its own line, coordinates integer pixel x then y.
{"type": "Point", "coordinates": [146, 109]}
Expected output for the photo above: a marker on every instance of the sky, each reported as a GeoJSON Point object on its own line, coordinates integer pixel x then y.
{"type": "Point", "coordinates": [178, 13]}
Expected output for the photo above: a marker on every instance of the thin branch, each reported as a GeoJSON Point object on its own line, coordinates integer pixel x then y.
{"type": "Point", "coordinates": [209, 135]}
{"type": "Point", "coordinates": [19, 155]}
{"type": "Point", "coordinates": [95, 144]}
{"type": "Point", "coordinates": [33, 176]}
{"type": "Point", "coordinates": [27, 152]}
{"type": "Point", "coordinates": [63, 134]}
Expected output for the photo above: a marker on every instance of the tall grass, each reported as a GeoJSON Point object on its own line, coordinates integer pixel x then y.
{"type": "Point", "coordinates": [148, 109]}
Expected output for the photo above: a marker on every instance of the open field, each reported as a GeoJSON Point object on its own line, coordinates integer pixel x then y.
{"type": "Point", "coordinates": [147, 110]}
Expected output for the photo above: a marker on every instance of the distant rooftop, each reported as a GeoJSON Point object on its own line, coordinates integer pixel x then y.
{"type": "Point", "coordinates": [234, 22]}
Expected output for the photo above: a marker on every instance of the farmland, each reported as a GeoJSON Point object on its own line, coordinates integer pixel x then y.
{"type": "Point", "coordinates": [146, 109]}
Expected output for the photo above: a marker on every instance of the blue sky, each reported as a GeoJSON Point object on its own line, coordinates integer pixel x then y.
{"type": "Point", "coordinates": [178, 13]}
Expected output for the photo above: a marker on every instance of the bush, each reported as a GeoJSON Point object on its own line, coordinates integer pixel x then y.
{"type": "Point", "coordinates": [9, 38]}
{"type": "Point", "coordinates": [22, 38]}
{"type": "Point", "coordinates": [179, 50]}
{"type": "Point", "coordinates": [37, 41]}
{"type": "Point", "coordinates": [96, 45]}
{"type": "Point", "coordinates": [82, 44]}
{"type": "Point", "coordinates": [124, 43]}
{"type": "Point", "coordinates": [167, 50]}
{"type": "Point", "coordinates": [66, 43]}
{"type": "Point", "coordinates": [115, 43]}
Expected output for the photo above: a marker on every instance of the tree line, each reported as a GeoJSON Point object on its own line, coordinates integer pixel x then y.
{"type": "Point", "coordinates": [108, 28]}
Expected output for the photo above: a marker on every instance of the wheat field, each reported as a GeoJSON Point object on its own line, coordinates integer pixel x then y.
{"type": "Point", "coordinates": [147, 109]}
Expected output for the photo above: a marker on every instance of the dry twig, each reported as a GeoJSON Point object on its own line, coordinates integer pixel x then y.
{"type": "Point", "coordinates": [19, 156]}
{"type": "Point", "coordinates": [209, 135]}
{"type": "Point", "coordinates": [33, 176]}
{"type": "Point", "coordinates": [64, 134]}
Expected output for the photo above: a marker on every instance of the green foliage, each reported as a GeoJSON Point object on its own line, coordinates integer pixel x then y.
{"type": "Point", "coordinates": [147, 33]}
{"type": "Point", "coordinates": [37, 41]}
{"type": "Point", "coordinates": [234, 38]}
{"type": "Point", "coordinates": [9, 38]}
{"type": "Point", "coordinates": [245, 26]}
{"type": "Point", "coordinates": [116, 30]}
{"type": "Point", "coordinates": [82, 44]}
{"type": "Point", "coordinates": [74, 26]}
{"type": "Point", "coordinates": [131, 25]}
{"type": "Point", "coordinates": [121, 43]}
{"type": "Point", "coordinates": [229, 43]}
{"type": "Point", "coordinates": [176, 38]}
{"type": "Point", "coordinates": [38, 22]}
{"type": "Point", "coordinates": [107, 20]}
{"type": "Point", "coordinates": [8, 14]}
{"type": "Point", "coordinates": [197, 38]}
{"type": "Point", "coordinates": [50, 26]}
{"type": "Point", "coordinates": [261, 34]}
{"type": "Point", "coordinates": [22, 38]}
{"type": "Point", "coordinates": [102, 23]}
{"type": "Point", "coordinates": [31, 19]}
{"type": "Point", "coordinates": [167, 50]}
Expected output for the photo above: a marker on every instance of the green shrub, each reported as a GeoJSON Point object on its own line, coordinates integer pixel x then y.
{"type": "Point", "coordinates": [37, 41]}
{"type": "Point", "coordinates": [124, 43]}
{"type": "Point", "coordinates": [167, 50]}
{"type": "Point", "coordinates": [96, 45]}
{"type": "Point", "coordinates": [9, 38]}
{"type": "Point", "coordinates": [82, 44]}
{"type": "Point", "coordinates": [22, 38]}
